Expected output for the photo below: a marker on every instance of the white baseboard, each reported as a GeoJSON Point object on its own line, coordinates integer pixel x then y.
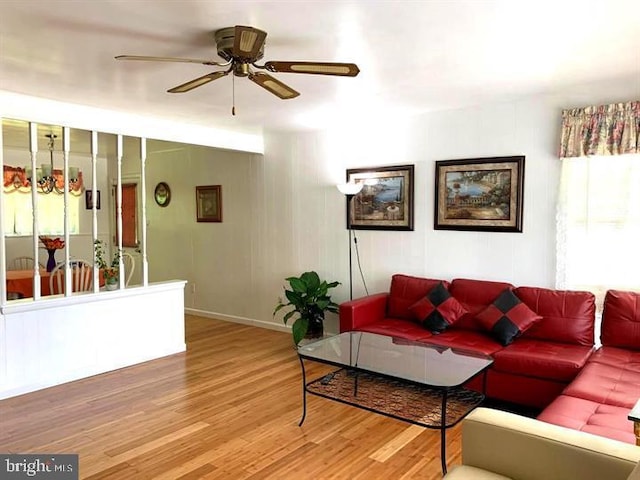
{"type": "Point", "coordinates": [235, 319]}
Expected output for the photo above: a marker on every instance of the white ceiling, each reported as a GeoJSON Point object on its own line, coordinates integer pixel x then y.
{"type": "Point", "coordinates": [414, 56]}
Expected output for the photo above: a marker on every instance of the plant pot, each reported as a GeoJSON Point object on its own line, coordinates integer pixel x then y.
{"type": "Point", "coordinates": [316, 326]}
{"type": "Point", "coordinates": [111, 284]}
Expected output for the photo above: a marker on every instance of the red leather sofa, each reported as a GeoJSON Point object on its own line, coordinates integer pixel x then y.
{"type": "Point", "coordinates": [553, 365]}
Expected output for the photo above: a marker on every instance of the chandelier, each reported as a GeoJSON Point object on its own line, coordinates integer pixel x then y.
{"type": "Point", "coordinates": [49, 180]}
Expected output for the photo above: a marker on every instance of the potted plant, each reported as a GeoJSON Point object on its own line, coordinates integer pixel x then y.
{"type": "Point", "coordinates": [111, 271]}
{"type": "Point", "coordinates": [310, 300]}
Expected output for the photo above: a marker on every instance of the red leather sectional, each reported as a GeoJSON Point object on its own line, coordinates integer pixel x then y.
{"type": "Point", "coordinates": [551, 366]}
{"type": "Point", "coordinates": [599, 399]}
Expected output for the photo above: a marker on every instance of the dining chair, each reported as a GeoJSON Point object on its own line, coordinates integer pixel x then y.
{"type": "Point", "coordinates": [129, 266]}
{"type": "Point", "coordinates": [82, 277]}
{"type": "Point", "coordinates": [23, 263]}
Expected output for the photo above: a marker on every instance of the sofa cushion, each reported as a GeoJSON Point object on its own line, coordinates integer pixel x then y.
{"type": "Point", "coordinates": [589, 416]}
{"type": "Point", "coordinates": [406, 290]}
{"type": "Point", "coordinates": [475, 296]}
{"type": "Point", "coordinates": [567, 316]}
{"type": "Point", "coordinates": [615, 357]}
{"type": "Point", "coordinates": [621, 320]}
{"type": "Point", "coordinates": [466, 340]}
{"type": "Point", "coordinates": [507, 317]}
{"type": "Point", "coordinates": [610, 385]}
{"type": "Point", "coordinates": [396, 327]}
{"type": "Point", "coordinates": [548, 360]}
{"type": "Point", "coordinates": [438, 309]}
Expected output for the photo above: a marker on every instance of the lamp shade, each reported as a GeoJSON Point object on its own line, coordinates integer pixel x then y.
{"type": "Point", "coordinates": [350, 188]}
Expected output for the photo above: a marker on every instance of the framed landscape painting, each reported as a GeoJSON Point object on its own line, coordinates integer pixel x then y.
{"type": "Point", "coordinates": [483, 194]}
{"type": "Point", "coordinates": [385, 201]}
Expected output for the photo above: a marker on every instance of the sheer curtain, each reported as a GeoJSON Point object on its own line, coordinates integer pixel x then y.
{"type": "Point", "coordinates": [17, 214]}
{"type": "Point", "coordinates": [598, 219]}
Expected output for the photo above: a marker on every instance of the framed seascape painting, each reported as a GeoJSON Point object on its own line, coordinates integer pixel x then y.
{"type": "Point", "coordinates": [209, 203]}
{"type": "Point", "coordinates": [483, 194]}
{"type": "Point", "coordinates": [385, 201]}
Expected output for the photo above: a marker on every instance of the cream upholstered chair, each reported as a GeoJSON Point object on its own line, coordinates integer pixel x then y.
{"type": "Point", "coordinates": [129, 266]}
{"type": "Point", "coordinates": [82, 277]}
{"type": "Point", "coordinates": [23, 263]}
{"type": "Point", "coordinates": [498, 445]}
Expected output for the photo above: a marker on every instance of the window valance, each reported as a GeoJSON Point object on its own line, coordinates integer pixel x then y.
{"type": "Point", "coordinates": [15, 180]}
{"type": "Point", "coordinates": [612, 129]}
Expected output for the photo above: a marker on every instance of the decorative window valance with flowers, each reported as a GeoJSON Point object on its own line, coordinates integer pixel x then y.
{"type": "Point", "coordinates": [16, 179]}
{"type": "Point", "coordinates": [598, 217]}
{"type": "Point", "coordinates": [601, 130]}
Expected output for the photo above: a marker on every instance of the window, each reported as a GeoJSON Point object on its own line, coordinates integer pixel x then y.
{"type": "Point", "coordinates": [18, 218]}
{"type": "Point", "coordinates": [599, 224]}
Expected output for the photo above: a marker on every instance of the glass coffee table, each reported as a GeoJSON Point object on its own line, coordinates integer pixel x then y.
{"type": "Point", "coordinates": [411, 381]}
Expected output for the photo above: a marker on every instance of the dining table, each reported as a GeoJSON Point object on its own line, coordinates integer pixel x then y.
{"type": "Point", "coordinates": [21, 282]}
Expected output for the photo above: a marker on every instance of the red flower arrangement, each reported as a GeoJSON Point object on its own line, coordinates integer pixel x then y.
{"type": "Point", "coordinates": [51, 243]}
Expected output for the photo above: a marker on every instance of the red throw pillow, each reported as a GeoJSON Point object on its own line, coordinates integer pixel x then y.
{"type": "Point", "coordinates": [507, 317]}
{"type": "Point", "coordinates": [438, 309]}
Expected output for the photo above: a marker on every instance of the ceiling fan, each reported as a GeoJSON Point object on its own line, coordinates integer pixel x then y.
{"type": "Point", "coordinates": [242, 47]}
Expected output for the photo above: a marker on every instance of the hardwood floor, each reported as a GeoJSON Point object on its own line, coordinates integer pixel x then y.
{"type": "Point", "coordinates": [228, 408]}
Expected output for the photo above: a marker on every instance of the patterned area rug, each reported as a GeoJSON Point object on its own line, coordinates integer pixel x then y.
{"type": "Point", "coordinates": [414, 403]}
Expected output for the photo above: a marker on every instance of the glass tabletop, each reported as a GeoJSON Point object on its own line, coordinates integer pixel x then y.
{"type": "Point", "coordinates": [418, 362]}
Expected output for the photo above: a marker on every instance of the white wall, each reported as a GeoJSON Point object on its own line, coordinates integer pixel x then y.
{"type": "Point", "coordinates": [215, 258]}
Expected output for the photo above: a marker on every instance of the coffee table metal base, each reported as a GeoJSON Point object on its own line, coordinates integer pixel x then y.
{"type": "Point", "coordinates": [429, 407]}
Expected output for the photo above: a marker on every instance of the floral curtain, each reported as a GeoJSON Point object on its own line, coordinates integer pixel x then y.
{"type": "Point", "coordinates": [15, 180]}
{"type": "Point", "coordinates": [601, 130]}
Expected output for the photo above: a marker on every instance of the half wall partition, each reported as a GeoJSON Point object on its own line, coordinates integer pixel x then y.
{"type": "Point", "coordinates": [73, 194]}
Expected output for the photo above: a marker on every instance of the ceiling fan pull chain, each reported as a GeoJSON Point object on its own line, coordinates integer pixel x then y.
{"type": "Point", "coordinates": [233, 94]}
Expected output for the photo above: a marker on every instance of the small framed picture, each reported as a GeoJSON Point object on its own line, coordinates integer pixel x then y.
{"type": "Point", "coordinates": [209, 203]}
{"type": "Point", "coordinates": [482, 194]}
{"type": "Point", "coordinates": [88, 199]}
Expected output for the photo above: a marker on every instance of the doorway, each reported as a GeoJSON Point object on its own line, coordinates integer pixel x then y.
{"type": "Point", "coordinates": [130, 225]}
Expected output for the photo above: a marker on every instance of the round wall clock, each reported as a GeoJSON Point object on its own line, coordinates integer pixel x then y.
{"type": "Point", "coordinates": [162, 194]}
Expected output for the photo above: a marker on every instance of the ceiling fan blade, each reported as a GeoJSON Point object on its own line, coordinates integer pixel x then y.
{"type": "Point", "coordinates": [272, 85]}
{"type": "Point", "coordinates": [169, 59]}
{"type": "Point", "coordinates": [198, 82]}
{"type": "Point", "coordinates": [317, 68]}
{"type": "Point", "coordinates": [248, 42]}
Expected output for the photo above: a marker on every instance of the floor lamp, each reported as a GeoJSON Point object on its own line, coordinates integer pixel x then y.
{"type": "Point", "coordinates": [350, 189]}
